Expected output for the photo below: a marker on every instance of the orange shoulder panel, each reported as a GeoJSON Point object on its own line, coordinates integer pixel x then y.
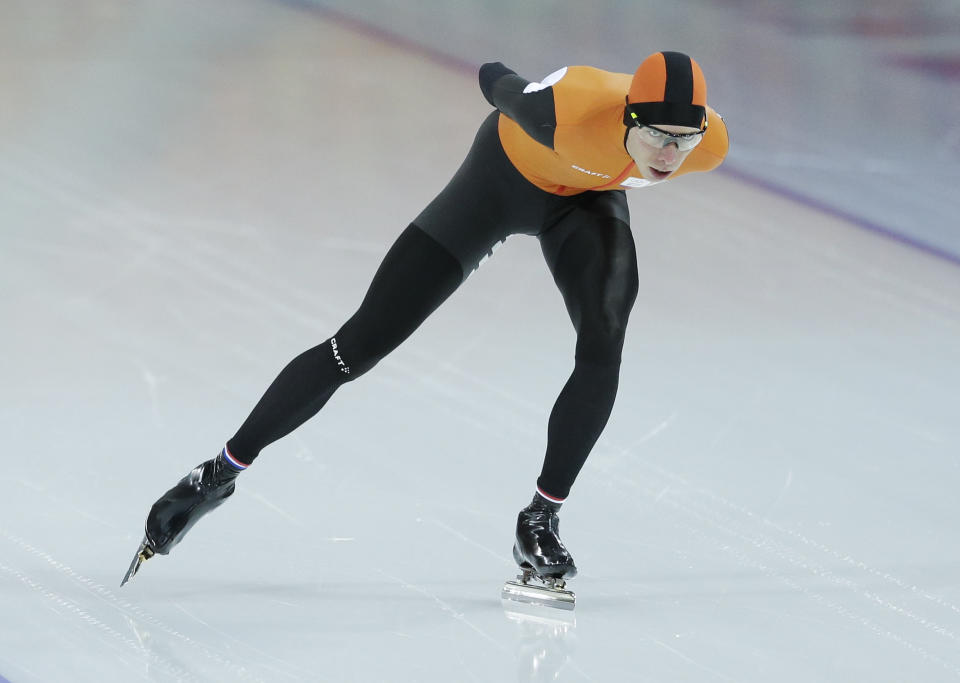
{"type": "Point", "coordinates": [584, 91]}
{"type": "Point", "coordinates": [588, 147]}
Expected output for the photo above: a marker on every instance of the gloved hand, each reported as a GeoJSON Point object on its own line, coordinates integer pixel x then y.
{"type": "Point", "coordinates": [490, 73]}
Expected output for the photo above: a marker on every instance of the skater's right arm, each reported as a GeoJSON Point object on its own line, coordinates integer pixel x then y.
{"type": "Point", "coordinates": [531, 105]}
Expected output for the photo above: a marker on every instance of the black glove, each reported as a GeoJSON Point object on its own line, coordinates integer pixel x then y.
{"type": "Point", "coordinates": [490, 73]}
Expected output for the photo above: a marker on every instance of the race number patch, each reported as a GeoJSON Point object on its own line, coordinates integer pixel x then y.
{"type": "Point", "coordinates": [637, 182]}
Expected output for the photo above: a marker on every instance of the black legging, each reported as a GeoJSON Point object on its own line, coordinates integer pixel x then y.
{"type": "Point", "coordinates": [590, 252]}
{"type": "Point", "coordinates": [416, 276]}
{"type": "Point", "coordinates": [596, 271]}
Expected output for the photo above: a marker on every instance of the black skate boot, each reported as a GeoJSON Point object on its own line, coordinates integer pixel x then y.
{"type": "Point", "coordinates": [545, 562]}
{"type": "Point", "coordinates": [538, 545]}
{"type": "Point", "coordinates": [174, 514]}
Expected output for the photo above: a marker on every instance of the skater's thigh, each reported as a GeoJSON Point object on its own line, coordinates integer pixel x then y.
{"type": "Point", "coordinates": [486, 201]}
{"type": "Point", "coordinates": [568, 215]}
{"type": "Point", "coordinates": [415, 277]}
{"type": "Point", "coordinates": [593, 259]}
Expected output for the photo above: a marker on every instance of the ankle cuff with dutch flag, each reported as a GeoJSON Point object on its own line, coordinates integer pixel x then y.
{"type": "Point", "coordinates": [547, 496]}
{"type": "Point", "coordinates": [232, 461]}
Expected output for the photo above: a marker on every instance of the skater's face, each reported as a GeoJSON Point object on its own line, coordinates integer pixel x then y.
{"type": "Point", "coordinates": [656, 155]}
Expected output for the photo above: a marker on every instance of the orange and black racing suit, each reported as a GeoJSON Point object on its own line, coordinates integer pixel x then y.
{"type": "Point", "coordinates": [549, 161]}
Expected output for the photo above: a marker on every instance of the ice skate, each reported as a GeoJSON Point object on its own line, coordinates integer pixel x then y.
{"type": "Point", "coordinates": [544, 562]}
{"type": "Point", "coordinates": [172, 516]}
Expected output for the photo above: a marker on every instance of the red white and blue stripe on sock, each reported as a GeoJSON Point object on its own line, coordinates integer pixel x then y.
{"type": "Point", "coordinates": [232, 461]}
{"type": "Point", "coordinates": [547, 496]}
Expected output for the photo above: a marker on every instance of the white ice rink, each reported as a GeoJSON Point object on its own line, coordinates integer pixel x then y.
{"type": "Point", "coordinates": [192, 193]}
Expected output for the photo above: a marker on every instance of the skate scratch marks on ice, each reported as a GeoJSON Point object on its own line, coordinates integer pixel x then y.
{"type": "Point", "coordinates": [746, 408]}
{"type": "Point", "coordinates": [33, 486]}
{"type": "Point", "coordinates": [714, 510]}
{"type": "Point", "coordinates": [786, 486]}
{"type": "Point", "coordinates": [705, 515]}
{"type": "Point", "coordinates": [152, 381]}
{"type": "Point", "coordinates": [692, 661]}
{"type": "Point", "coordinates": [843, 557]}
{"type": "Point", "coordinates": [769, 525]}
{"type": "Point", "coordinates": [260, 498]}
{"type": "Point", "coordinates": [467, 539]}
{"type": "Point", "coordinates": [656, 430]}
{"type": "Point", "coordinates": [492, 387]}
{"type": "Point", "coordinates": [459, 616]}
{"type": "Point", "coordinates": [250, 648]}
{"type": "Point", "coordinates": [64, 605]}
{"type": "Point", "coordinates": [842, 610]}
{"type": "Point", "coordinates": [305, 453]}
{"type": "Point", "coordinates": [125, 607]}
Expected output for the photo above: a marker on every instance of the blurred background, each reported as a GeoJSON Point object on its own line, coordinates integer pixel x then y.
{"type": "Point", "coordinates": [192, 192]}
{"type": "Point", "coordinates": [844, 105]}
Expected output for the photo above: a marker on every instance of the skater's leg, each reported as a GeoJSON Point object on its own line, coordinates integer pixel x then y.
{"type": "Point", "coordinates": [486, 200]}
{"type": "Point", "coordinates": [591, 254]}
{"type": "Point", "coordinates": [416, 276]}
{"type": "Point", "coordinates": [595, 268]}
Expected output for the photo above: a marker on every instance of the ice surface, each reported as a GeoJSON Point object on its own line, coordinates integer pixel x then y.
{"type": "Point", "coordinates": [193, 193]}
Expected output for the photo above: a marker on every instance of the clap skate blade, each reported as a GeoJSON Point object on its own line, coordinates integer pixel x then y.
{"type": "Point", "coordinates": [144, 553]}
{"type": "Point", "coordinates": [538, 590]}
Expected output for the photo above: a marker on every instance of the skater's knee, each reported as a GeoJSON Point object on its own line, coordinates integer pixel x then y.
{"type": "Point", "coordinates": [602, 325]}
{"type": "Point", "coordinates": [349, 358]}
{"type": "Point", "coordinates": [600, 340]}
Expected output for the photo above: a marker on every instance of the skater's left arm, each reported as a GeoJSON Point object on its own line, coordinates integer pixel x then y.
{"type": "Point", "coordinates": [530, 104]}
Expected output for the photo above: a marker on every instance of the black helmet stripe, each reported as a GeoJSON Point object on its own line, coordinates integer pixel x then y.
{"type": "Point", "coordinates": [679, 87]}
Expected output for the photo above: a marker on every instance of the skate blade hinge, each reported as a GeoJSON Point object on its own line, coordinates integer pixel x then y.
{"type": "Point", "coordinates": [552, 594]}
{"type": "Point", "coordinates": [144, 553]}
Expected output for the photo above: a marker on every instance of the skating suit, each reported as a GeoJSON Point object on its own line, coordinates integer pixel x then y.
{"type": "Point", "coordinates": [549, 149]}
{"type": "Point", "coordinates": [548, 161]}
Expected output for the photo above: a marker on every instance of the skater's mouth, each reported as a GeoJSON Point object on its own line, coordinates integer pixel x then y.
{"type": "Point", "coordinates": [658, 174]}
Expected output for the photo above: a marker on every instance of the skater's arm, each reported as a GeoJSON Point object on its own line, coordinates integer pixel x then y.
{"type": "Point", "coordinates": [531, 105]}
